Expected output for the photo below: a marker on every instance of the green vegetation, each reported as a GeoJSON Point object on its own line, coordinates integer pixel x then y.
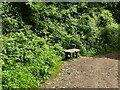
{"type": "Point", "coordinates": [35, 35]}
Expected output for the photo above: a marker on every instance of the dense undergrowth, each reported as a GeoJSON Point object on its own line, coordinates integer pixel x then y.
{"type": "Point", "coordinates": [35, 35]}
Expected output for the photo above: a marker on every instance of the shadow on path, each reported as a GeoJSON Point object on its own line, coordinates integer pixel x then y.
{"type": "Point", "coordinates": [113, 55]}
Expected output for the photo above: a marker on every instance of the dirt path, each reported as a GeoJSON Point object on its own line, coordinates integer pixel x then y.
{"type": "Point", "coordinates": [88, 72]}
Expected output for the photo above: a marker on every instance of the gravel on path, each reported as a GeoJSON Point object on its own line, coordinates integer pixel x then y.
{"type": "Point", "coordinates": [88, 72]}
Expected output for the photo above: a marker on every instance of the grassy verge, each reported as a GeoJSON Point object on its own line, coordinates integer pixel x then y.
{"type": "Point", "coordinates": [56, 70]}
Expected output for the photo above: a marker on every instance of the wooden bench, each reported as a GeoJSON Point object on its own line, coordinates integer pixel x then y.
{"type": "Point", "coordinates": [71, 52]}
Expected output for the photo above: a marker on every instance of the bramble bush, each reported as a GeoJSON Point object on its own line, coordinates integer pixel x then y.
{"type": "Point", "coordinates": [34, 39]}
{"type": "Point", "coordinates": [26, 59]}
{"type": "Point", "coordinates": [72, 28]}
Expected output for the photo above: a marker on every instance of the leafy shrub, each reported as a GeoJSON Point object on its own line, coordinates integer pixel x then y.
{"type": "Point", "coordinates": [19, 77]}
{"type": "Point", "coordinates": [30, 55]}
{"type": "Point", "coordinates": [119, 36]}
{"type": "Point", "coordinates": [33, 40]}
{"type": "Point", "coordinates": [59, 50]}
{"type": "Point", "coordinates": [109, 37]}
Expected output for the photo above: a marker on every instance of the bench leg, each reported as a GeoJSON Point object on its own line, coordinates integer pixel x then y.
{"type": "Point", "coordinates": [76, 54]}
{"type": "Point", "coordinates": [66, 56]}
{"type": "Point", "coordinates": [70, 55]}
{"type": "Point", "coordinates": [73, 55]}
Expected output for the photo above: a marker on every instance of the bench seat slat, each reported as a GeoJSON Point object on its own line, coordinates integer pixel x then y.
{"type": "Point", "coordinates": [76, 50]}
{"type": "Point", "coordinates": [71, 52]}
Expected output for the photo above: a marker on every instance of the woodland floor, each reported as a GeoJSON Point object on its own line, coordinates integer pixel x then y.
{"type": "Point", "coordinates": [88, 72]}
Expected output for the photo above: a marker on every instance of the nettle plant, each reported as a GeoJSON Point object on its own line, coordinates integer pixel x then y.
{"type": "Point", "coordinates": [26, 54]}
